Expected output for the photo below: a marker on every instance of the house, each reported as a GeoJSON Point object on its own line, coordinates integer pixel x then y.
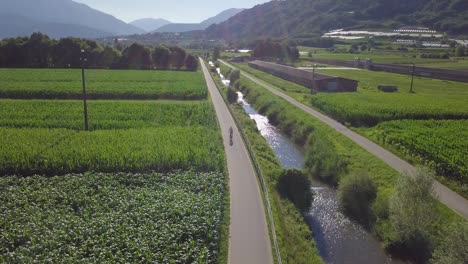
{"type": "Point", "coordinates": [323, 82]}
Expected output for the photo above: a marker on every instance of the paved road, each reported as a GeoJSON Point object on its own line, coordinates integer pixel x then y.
{"type": "Point", "coordinates": [249, 241]}
{"type": "Point", "coordinates": [444, 194]}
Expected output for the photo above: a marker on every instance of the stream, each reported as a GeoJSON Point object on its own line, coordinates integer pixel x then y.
{"type": "Point", "coordinates": [338, 239]}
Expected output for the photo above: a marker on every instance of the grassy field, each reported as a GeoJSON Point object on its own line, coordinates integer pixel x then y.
{"type": "Point", "coordinates": [438, 144]}
{"type": "Point", "coordinates": [147, 183]}
{"type": "Point", "coordinates": [101, 84]}
{"type": "Point", "coordinates": [101, 218]}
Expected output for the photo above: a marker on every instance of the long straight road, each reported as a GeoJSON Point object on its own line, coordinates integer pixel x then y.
{"type": "Point", "coordinates": [249, 241]}
{"type": "Point", "coordinates": [448, 197]}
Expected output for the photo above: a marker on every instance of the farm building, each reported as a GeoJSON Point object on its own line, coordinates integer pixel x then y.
{"type": "Point", "coordinates": [323, 82]}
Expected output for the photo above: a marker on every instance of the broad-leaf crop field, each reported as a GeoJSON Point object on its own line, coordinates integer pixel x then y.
{"type": "Point", "coordinates": [145, 184]}
{"type": "Point", "coordinates": [101, 84]}
{"type": "Point", "coordinates": [111, 218]}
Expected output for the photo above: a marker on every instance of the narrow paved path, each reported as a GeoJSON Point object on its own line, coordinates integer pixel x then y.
{"type": "Point", "coordinates": [249, 241]}
{"type": "Point", "coordinates": [448, 197]}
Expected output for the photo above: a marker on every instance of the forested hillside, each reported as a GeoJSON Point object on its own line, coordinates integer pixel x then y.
{"type": "Point", "coordinates": [298, 19]}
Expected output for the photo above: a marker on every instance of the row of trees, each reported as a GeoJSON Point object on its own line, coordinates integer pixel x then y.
{"type": "Point", "coordinates": [275, 51]}
{"type": "Point", "coordinates": [40, 51]}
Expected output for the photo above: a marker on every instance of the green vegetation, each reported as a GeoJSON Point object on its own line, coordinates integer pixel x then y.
{"type": "Point", "coordinates": [106, 114]}
{"type": "Point", "coordinates": [40, 51]}
{"type": "Point", "coordinates": [453, 250]}
{"type": "Point", "coordinates": [304, 21]}
{"type": "Point", "coordinates": [153, 183]}
{"type": "Point", "coordinates": [438, 144]}
{"type": "Point", "coordinates": [299, 126]}
{"type": "Point", "coordinates": [295, 241]}
{"type": "Point", "coordinates": [101, 84]}
{"type": "Point", "coordinates": [412, 212]}
{"type": "Point", "coordinates": [294, 185]}
{"type": "Point", "coordinates": [60, 151]}
{"type": "Point", "coordinates": [433, 143]}
{"type": "Point", "coordinates": [96, 218]}
{"type": "Point", "coordinates": [356, 194]}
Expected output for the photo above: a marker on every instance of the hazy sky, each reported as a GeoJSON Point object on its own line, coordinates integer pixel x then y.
{"type": "Point", "coordinates": [184, 11]}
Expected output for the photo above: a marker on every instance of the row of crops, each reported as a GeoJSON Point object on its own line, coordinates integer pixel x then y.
{"type": "Point", "coordinates": [101, 84]}
{"type": "Point", "coordinates": [145, 184]}
{"type": "Point", "coordinates": [439, 144]}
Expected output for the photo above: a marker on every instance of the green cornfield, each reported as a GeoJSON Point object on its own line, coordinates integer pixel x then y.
{"type": "Point", "coordinates": [439, 144]}
{"type": "Point", "coordinates": [101, 84]}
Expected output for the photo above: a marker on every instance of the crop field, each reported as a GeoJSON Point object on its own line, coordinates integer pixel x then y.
{"type": "Point", "coordinates": [106, 114]}
{"type": "Point", "coordinates": [102, 218]}
{"type": "Point", "coordinates": [145, 184]}
{"type": "Point", "coordinates": [101, 84]}
{"type": "Point", "coordinates": [391, 57]}
{"type": "Point", "coordinates": [439, 144]}
{"type": "Point", "coordinates": [369, 106]}
{"type": "Point", "coordinates": [433, 99]}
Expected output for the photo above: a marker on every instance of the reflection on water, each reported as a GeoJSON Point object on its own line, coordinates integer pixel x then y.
{"type": "Point", "coordinates": [223, 79]}
{"type": "Point", "coordinates": [289, 154]}
{"type": "Point", "coordinates": [338, 239]}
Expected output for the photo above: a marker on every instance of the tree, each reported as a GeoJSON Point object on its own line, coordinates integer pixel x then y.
{"type": "Point", "coordinates": [232, 95]}
{"type": "Point", "coordinates": [38, 49]}
{"type": "Point", "coordinates": [137, 57]}
{"type": "Point", "coordinates": [460, 51]}
{"type": "Point", "coordinates": [67, 53]}
{"type": "Point", "coordinates": [411, 214]}
{"type": "Point", "coordinates": [177, 58]}
{"type": "Point", "coordinates": [234, 76]}
{"type": "Point", "coordinates": [108, 57]}
{"type": "Point", "coordinates": [191, 62]}
{"type": "Point", "coordinates": [161, 56]}
{"type": "Point", "coordinates": [295, 186]}
{"type": "Point", "coordinates": [356, 194]}
{"type": "Point", "coordinates": [216, 54]}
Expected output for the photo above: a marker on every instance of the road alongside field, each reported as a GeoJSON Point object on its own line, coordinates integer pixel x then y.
{"type": "Point", "coordinates": [448, 197]}
{"type": "Point", "coordinates": [249, 241]}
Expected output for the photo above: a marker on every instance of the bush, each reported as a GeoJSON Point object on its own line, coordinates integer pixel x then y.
{"type": "Point", "coordinates": [356, 194]}
{"type": "Point", "coordinates": [295, 186]}
{"type": "Point", "coordinates": [234, 76]}
{"type": "Point", "coordinates": [453, 249]}
{"type": "Point", "coordinates": [412, 211]}
{"type": "Point", "coordinates": [322, 160]}
{"type": "Point", "coordinates": [231, 95]}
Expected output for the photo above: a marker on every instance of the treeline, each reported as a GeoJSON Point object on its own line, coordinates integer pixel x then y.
{"type": "Point", "coordinates": [40, 51]}
{"type": "Point", "coordinates": [275, 51]}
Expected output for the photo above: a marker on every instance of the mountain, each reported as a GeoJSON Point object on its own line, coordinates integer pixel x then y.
{"type": "Point", "coordinates": [150, 24]}
{"type": "Point", "coordinates": [61, 18]}
{"type": "Point", "coordinates": [184, 27]}
{"type": "Point", "coordinates": [15, 25]}
{"type": "Point", "coordinates": [221, 17]}
{"type": "Point", "coordinates": [302, 19]}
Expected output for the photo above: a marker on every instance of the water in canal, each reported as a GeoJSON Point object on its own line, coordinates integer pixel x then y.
{"type": "Point", "coordinates": [338, 239]}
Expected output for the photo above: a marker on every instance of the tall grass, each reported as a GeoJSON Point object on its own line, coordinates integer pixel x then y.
{"type": "Point", "coordinates": [106, 114]}
{"type": "Point", "coordinates": [101, 84]}
{"type": "Point", "coordinates": [62, 151]}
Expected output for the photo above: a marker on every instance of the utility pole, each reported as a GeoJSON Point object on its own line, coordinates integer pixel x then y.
{"type": "Point", "coordinates": [83, 61]}
{"type": "Point", "coordinates": [412, 78]}
{"type": "Point", "coordinates": [314, 90]}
